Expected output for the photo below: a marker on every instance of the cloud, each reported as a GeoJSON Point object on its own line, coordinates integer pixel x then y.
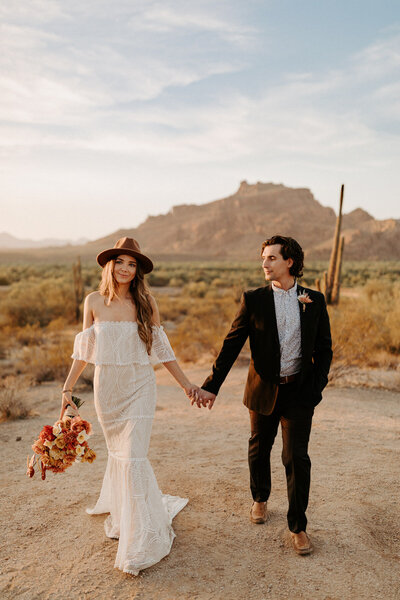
{"type": "Point", "coordinates": [378, 60]}
{"type": "Point", "coordinates": [32, 11]}
{"type": "Point", "coordinates": [64, 74]}
{"type": "Point", "coordinates": [161, 17]}
{"type": "Point", "coordinates": [159, 84]}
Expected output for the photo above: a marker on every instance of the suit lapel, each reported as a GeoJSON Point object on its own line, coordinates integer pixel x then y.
{"type": "Point", "coordinates": [270, 315]}
{"type": "Point", "coordinates": [303, 321]}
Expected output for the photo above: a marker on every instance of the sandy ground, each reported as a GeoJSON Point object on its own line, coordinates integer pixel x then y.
{"type": "Point", "coordinates": [51, 549]}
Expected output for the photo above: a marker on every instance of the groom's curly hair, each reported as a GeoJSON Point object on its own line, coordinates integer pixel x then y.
{"type": "Point", "coordinates": [289, 249]}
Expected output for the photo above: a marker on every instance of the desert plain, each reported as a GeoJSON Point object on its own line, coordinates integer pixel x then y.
{"type": "Point", "coordinates": [52, 549]}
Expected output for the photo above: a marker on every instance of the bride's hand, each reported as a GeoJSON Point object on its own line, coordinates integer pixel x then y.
{"type": "Point", "coordinates": [207, 399]}
{"type": "Point", "coordinates": [65, 401]}
{"type": "Point", "coordinates": [192, 392]}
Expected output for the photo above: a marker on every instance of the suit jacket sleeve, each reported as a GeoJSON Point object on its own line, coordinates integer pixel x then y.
{"type": "Point", "coordinates": [322, 354]}
{"type": "Point", "coordinates": [231, 347]}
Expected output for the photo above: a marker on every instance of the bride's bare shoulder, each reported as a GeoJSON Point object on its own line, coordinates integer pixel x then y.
{"type": "Point", "coordinates": [93, 299]}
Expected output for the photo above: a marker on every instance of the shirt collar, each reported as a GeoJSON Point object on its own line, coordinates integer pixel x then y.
{"type": "Point", "coordinates": [291, 291]}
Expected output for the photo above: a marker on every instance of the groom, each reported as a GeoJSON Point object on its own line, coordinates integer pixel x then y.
{"type": "Point", "coordinates": [291, 352]}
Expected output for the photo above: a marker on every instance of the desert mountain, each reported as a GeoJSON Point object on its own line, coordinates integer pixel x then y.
{"type": "Point", "coordinates": [8, 241]}
{"type": "Point", "coordinates": [234, 228]}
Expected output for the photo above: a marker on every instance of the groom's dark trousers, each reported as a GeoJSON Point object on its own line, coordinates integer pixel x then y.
{"type": "Point", "coordinates": [271, 402]}
{"type": "Point", "coordinates": [296, 426]}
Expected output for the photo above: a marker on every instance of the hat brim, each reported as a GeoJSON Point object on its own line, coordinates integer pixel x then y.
{"type": "Point", "coordinates": [107, 255]}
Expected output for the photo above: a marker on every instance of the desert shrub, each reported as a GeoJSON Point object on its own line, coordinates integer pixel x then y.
{"type": "Point", "coordinates": [37, 305]}
{"type": "Point", "coordinates": [12, 401]}
{"type": "Point", "coordinates": [57, 325]}
{"type": "Point", "coordinates": [4, 345]}
{"type": "Point", "coordinates": [366, 329]}
{"type": "Point", "coordinates": [221, 282]}
{"type": "Point", "coordinates": [28, 335]}
{"type": "Point", "coordinates": [30, 303]}
{"type": "Point", "coordinates": [176, 282]}
{"type": "Point", "coordinates": [158, 278]}
{"type": "Point", "coordinates": [202, 330]}
{"type": "Point", "coordinates": [47, 363]}
{"type": "Point", "coordinates": [356, 334]}
{"type": "Point", "coordinates": [196, 289]}
{"type": "Point", "coordinates": [173, 308]}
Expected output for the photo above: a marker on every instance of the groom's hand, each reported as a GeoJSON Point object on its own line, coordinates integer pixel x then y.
{"type": "Point", "coordinates": [206, 398]}
{"type": "Point", "coordinates": [192, 392]}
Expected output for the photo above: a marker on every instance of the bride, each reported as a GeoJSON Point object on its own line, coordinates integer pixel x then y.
{"type": "Point", "coordinates": [123, 337]}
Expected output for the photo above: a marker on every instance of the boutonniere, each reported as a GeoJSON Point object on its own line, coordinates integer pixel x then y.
{"type": "Point", "coordinates": [304, 299]}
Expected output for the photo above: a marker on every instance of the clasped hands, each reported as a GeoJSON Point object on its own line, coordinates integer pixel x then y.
{"type": "Point", "coordinates": [200, 397]}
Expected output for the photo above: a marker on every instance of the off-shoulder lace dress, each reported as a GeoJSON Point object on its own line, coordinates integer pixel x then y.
{"type": "Point", "coordinates": [125, 399]}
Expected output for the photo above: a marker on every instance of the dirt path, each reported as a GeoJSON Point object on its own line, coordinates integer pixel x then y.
{"type": "Point", "coordinates": [52, 549]}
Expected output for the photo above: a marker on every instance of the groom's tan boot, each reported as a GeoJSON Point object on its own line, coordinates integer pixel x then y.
{"type": "Point", "coordinates": [258, 513]}
{"type": "Point", "coordinates": [301, 543]}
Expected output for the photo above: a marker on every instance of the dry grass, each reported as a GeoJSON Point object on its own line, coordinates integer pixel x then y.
{"type": "Point", "coordinates": [199, 323]}
{"type": "Point", "coordinates": [35, 337]}
{"type": "Point", "coordinates": [366, 329]}
{"type": "Point", "coordinates": [46, 363]}
{"type": "Point", "coordinates": [37, 302]}
{"type": "Point", "coordinates": [12, 401]}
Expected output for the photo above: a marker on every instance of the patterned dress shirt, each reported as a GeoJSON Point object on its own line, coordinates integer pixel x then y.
{"type": "Point", "coordinates": [289, 332]}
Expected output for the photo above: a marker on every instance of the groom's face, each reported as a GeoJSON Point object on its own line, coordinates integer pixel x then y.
{"type": "Point", "coordinates": [275, 267]}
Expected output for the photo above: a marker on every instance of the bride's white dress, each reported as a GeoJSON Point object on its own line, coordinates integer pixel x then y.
{"type": "Point", "coordinates": [125, 399]}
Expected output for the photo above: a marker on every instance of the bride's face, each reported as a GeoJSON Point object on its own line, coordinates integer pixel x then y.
{"type": "Point", "coordinates": [124, 268]}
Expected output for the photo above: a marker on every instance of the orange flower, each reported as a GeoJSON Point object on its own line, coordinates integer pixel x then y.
{"type": "Point", "coordinates": [79, 425]}
{"type": "Point", "coordinates": [89, 456]}
{"type": "Point", "coordinates": [60, 441]}
{"type": "Point", "coordinates": [39, 448]}
{"type": "Point", "coordinates": [67, 422]}
{"type": "Point", "coordinates": [46, 460]}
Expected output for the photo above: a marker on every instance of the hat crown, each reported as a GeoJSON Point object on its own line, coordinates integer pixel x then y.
{"type": "Point", "coordinates": [127, 243]}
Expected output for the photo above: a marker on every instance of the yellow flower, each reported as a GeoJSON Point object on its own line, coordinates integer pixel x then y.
{"type": "Point", "coordinates": [79, 450]}
{"type": "Point", "coordinates": [55, 453]}
{"type": "Point", "coordinates": [60, 441]}
{"type": "Point", "coordinates": [56, 429]}
{"type": "Point", "coordinates": [90, 455]}
{"type": "Point", "coordinates": [48, 443]}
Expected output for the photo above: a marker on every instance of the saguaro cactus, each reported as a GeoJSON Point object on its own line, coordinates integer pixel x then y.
{"type": "Point", "coordinates": [320, 284]}
{"type": "Point", "coordinates": [333, 270]}
{"type": "Point", "coordinates": [338, 271]}
{"type": "Point", "coordinates": [78, 287]}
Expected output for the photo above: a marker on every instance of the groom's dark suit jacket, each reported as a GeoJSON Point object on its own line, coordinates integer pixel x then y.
{"type": "Point", "coordinates": [256, 319]}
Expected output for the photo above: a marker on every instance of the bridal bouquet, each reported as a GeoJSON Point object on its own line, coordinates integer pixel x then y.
{"type": "Point", "coordinates": [61, 444]}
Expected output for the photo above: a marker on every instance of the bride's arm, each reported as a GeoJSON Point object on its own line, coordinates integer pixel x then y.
{"type": "Point", "coordinates": [77, 366]}
{"type": "Point", "coordinates": [190, 389]}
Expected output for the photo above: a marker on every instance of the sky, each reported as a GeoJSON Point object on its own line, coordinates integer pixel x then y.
{"type": "Point", "coordinates": [111, 111]}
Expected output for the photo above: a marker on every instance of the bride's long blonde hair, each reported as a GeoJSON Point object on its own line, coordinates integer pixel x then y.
{"type": "Point", "coordinates": [140, 295]}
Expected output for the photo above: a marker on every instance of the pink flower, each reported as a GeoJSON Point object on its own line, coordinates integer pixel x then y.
{"type": "Point", "coordinates": [304, 299]}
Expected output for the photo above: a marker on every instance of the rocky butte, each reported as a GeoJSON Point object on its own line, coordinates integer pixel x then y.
{"type": "Point", "coordinates": [234, 228]}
